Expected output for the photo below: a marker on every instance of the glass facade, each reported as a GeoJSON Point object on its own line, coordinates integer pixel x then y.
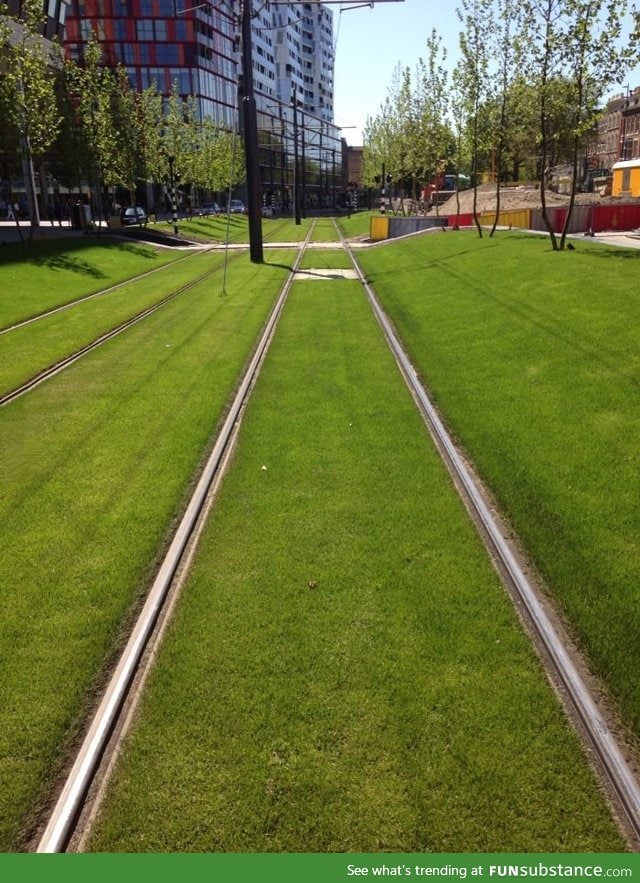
{"type": "Point", "coordinates": [197, 46]}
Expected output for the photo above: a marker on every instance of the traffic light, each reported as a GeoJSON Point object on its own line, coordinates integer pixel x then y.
{"type": "Point", "coordinates": [388, 179]}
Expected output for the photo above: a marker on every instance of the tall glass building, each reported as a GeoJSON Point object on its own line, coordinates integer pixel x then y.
{"type": "Point", "coordinates": [196, 45]}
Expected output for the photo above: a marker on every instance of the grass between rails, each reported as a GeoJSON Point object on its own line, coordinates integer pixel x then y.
{"type": "Point", "coordinates": [95, 465]}
{"type": "Point", "coordinates": [325, 259]}
{"type": "Point", "coordinates": [344, 672]}
{"type": "Point", "coordinates": [533, 357]}
{"type": "Point", "coordinates": [216, 229]}
{"type": "Point", "coordinates": [278, 229]}
{"type": "Point", "coordinates": [30, 349]}
{"type": "Point", "coordinates": [358, 224]}
{"type": "Point", "coordinates": [49, 274]}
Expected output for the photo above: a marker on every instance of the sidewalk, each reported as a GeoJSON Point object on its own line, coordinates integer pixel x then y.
{"type": "Point", "coordinates": [9, 233]}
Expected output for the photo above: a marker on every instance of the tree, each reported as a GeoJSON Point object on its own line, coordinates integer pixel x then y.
{"type": "Point", "coordinates": [27, 92]}
{"type": "Point", "coordinates": [476, 16]}
{"type": "Point", "coordinates": [579, 45]}
{"type": "Point", "coordinates": [506, 50]}
{"type": "Point", "coordinates": [597, 55]}
{"type": "Point", "coordinates": [91, 89]}
{"type": "Point", "coordinates": [435, 136]}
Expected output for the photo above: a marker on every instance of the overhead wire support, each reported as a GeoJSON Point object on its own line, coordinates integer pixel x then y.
{"type": "Point", "coordinates": [250, 122]}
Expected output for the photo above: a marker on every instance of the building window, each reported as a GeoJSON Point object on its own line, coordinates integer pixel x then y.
{"type": "Point", "coordinates": [167, 53]}
{"type": "Point", "coordinates": [144, 30]}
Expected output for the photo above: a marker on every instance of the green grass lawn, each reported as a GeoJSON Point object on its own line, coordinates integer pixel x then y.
{"type": "Point", "coordinates": [210, 228]}
{"type": "Point", "coordinates": [32, 348]}
{"type": "Point", "coordinates": [325, 231]}
{"type": "Point", "coordinates": [357, 225]}
{"type": "Point", "coordinates": [533, 357]}
{"type": "Point", "coordinates": [95, 466]}
{"type": "Point", "coordinates": [345, 672]}
{"type": "Point", "coordinates": [55, 272]}
{"type": "Point", "coordinates": [326, 259]}
{"type": "Point", "coordinates": [214, 229]}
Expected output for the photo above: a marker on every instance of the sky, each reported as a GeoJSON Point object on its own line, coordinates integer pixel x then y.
{"type": "Point", "coordinates": [372, 42]}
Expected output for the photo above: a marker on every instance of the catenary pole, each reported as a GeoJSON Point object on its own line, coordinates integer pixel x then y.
{"type": "Point", "coordinates": [250, 119]}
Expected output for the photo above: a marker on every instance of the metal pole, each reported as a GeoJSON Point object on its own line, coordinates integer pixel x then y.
{"type": "Point", "coordinates": [283, 160]}
{"type": "Point", "coordinates": [174, 202]}
{"type": "Point", "coordinates": [296, 164]}
{"type": "Point", "coordinates": [304, 171]}
{"type": "Point", "coordinates": [250, 118]}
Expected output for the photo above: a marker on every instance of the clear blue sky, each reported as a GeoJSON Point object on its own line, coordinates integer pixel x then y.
{"type": "Point", "coordinates": [371, 42]}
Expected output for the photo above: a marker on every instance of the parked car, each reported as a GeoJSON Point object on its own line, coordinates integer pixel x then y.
{"type": "Point", "coordinates": [211, 208]}
{"type": "Point", "coordinates": [134, 214]}
{"type": "Point", "coordinates": [236, 207]}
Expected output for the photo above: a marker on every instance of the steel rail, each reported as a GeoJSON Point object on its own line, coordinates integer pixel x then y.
{"type": "Point", "coordinates": [74, 303]}
{"type": "Point", "coordinates": [618, 771]}
{"type": "Point", "coordinates": [60, 366]}
{"type": "Point", "coordinates": [59, 828]}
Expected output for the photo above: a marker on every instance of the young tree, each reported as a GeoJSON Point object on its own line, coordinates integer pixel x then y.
{"type": "Point", "coordinates": [597, 54]}
{"type": "Point", "coordinates": [27, 91]}
{"type": "Point", "coordinates": [506, 50]}
{"type": "Point", "coordinates": [91, 89]}
{"type": "Point", "coordinates": [435, 136]}
{"type": "Point", "coordinates": [476, 17]}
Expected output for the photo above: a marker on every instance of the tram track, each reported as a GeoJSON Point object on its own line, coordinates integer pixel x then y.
{"type": "Point", "coordinates": [67, 361]}
{"type": "Point", "coordinates": [596, 731]}
{"type": "Point", "coordinates": [574, 691]}
{"type": "Point", "coordinates": [98, 745]}
{"type": "Point", "coordinates": [46, 314]}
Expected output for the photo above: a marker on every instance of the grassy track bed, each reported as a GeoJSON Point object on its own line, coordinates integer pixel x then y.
{"type": "Point", "coordinates": [213, 228]}
{"type": "Point", "coordinates": [95, 465]}
{"type": "Point", "coordinates": [285, 229]}
{"type": "Point", "coordinates": [344, 671]}
{"type": "Point", "coordinates": [31, 348]}
{"type": "Point", "coordinates": [325, 259]}
{"type": "Point", "coordinates": [533, 357]}
{"type": "Point", "coordinates": [358, 224]}
{"type": "Point", "coordinates": [57, 272]}
{"type": "Point", "coordinates": [325, 231]}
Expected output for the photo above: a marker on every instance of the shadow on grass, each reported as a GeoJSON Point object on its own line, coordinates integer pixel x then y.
{"type": "Point", "coordinates": [620, 252]}
{"type": "Point", "coordinates": [66, 254]}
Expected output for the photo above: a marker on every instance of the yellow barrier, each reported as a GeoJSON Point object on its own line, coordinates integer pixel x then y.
{"type": "Point", "coordinates": [520, 219]}
{"type": "Point", "coordinates": [379, 229]}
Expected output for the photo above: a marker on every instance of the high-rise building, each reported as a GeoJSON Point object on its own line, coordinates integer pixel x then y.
{"type": "Point", "coordinates": [54, 15]}
{"type": "Point", "coordinates": [195, 46]}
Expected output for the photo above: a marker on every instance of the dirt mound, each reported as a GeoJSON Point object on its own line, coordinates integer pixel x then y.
{"type": "Point", "coordinates": [516, 199]}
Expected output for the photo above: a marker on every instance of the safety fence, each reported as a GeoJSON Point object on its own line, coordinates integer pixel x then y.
{"type": "Point", "coordinates": [584, 218]}
{"type": "Point", "coordinates": [617, 217]}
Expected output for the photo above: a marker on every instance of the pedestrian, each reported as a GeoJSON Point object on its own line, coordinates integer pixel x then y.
{"type": "Point", "coordinates": [10, 215]}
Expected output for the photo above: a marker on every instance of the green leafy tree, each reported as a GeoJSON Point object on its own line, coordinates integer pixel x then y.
{"type": "Point", "coordinates": [597, 54]}
{"type": "Point", "coordinates": [476, 18]}
{"type": "Point", "coordinates": [435, 138]}
{"type": "Point", "coordinates": [505, 48]}
{"type": "Point", "coordinates": [27, 90]}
